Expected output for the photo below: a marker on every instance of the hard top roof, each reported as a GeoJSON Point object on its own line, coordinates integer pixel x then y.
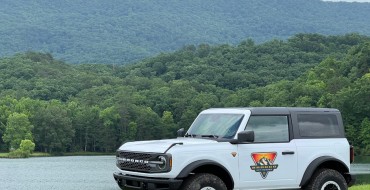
{"type": "Point", "coordinates": [282, 110]}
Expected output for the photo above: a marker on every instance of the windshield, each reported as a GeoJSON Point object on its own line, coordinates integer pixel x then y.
{"type": "Point", "coordinates": [216, 125]}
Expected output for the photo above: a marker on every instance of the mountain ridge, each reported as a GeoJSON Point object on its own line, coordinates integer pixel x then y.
{"type": "Point", "coordinates": [124, 32]}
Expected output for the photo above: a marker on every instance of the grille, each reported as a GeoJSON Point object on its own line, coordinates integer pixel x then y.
{"type": "Point", "coordinates": [135, 155]}
{"type": "Point", "coordinates": [132, 165]}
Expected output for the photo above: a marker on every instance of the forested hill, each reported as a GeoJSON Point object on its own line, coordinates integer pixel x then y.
{"type": "Point", "coordinates": [64, 107]}
{"type": "Point", "coordinates": [97, 31]}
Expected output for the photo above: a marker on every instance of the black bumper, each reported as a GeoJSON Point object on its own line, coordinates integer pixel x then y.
{"type": "Point", "coordinates": [128, 182]}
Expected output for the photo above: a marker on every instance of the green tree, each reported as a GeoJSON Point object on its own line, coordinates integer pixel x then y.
{"type": "Point", "coordinates": [365, 134]}
{"type": "Point", "coordinates": [168, 124]}
{"type": "Point", "coordinates": [110, 131]}
{"type": "Point", "coordinates": [18, 128]}
{"type": "Point", "coordinates": [27, 146]}
{"type": "Point", "coordinates": [54, 131]}
{"type": "Point", "coordinates": [131, 132]}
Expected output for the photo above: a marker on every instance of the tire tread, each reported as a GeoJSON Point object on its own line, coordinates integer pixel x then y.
{"type": "Point", "coordinates": [321, 174]}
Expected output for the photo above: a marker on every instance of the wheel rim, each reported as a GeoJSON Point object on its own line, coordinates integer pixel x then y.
{"type": "Point", "coordinates": [208, 188]}
{"type": "Point", "coordinates": [330, 185]}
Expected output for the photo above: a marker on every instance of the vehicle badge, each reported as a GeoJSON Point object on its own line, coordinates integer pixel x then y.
{"type": "Point", "coordinates": [264, 162]}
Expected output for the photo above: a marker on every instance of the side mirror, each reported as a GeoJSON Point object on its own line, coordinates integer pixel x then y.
{"type": "Point", "coordinates": [181, 132]}
{"type": "Point", "coordinates": [246, 137]}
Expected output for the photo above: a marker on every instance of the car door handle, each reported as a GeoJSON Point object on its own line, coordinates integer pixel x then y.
{"type": "Point", "coordinates": [288, 152]}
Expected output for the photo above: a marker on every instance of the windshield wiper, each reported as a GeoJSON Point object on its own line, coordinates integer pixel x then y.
{"type": "Point", "coordinates": [190, 135]}
{"type": "Point", "coordinates": [210, 136]}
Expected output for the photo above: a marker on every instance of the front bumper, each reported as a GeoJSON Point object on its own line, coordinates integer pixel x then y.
{"type": "Point", "coordinates": [128, 182]}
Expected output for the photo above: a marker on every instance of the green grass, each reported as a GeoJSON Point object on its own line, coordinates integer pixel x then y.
{"type": "Point", "coordinates": [360, 187]}
{"type": "Point", "coordinates": [40, 154]}
{"type": "Point", "coordinates": [3, 155]}
{"type": "Point", "coordinates": [35, 154]}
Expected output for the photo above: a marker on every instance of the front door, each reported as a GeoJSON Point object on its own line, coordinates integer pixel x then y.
{"type": "Point", "coordinates": [270, 162]}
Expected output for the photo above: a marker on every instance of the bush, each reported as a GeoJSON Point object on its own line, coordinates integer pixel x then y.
{"type": "Point", "coordinates": [19, 154]}
{"type": "Point", "coordinates": [27, 146]}
{"type": "Point", "coordinates": [25, 149]}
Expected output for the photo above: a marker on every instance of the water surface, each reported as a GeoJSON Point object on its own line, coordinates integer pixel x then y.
{"type": "Point", "coordinates": [58, 173]}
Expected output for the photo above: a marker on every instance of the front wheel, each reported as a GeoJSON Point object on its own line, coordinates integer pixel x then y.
{"type": "Point", "coordinates": [327, 179]}
{"type": "Point", "coordinates": [204, 181]}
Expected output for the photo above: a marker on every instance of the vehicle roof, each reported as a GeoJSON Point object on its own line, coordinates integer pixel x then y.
{"type": "Point", "coordinates": [282, 110]}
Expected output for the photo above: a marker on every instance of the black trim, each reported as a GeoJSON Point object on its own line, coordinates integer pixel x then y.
{"type": "Point", "coordinates": [314, 165]}
{"type": "Point", "coordinates": [172, 145]}
{"type": "Point", "coordinates": [287, 153]}
{"type": "Point", "coordinates": [189, 168]}
{"type": "Point", "coordinates": [143, 183]}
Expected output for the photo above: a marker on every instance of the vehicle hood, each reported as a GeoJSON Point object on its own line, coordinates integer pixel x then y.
{"type": "Point", "coordinates": [160, 146]}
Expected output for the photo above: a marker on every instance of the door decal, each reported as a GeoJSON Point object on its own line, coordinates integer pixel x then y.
{"type": "Point", "coordinates": [264, 162]}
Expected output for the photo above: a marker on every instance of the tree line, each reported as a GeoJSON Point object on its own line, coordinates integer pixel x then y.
{"type": "Point", "coordinates": [90, 107]}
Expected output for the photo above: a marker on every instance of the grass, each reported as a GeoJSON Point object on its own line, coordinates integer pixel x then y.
{"type": "Point", "coordinates": [3, 155]}
{"type": "Point", "coordinates": [40, 154]}
{"type": "Point", "coordinates": [35, 154]}
{"type": "Point", "coordinates": [360, 187]}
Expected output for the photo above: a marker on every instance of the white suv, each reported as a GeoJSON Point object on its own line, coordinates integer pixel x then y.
{"type": "Point", "coordinates": [244, 148]}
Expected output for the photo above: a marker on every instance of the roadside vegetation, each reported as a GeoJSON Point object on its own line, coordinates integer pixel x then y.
{"type": "Point", "coordinates": [360, 187]}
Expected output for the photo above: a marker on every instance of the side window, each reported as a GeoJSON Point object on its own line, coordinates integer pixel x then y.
{"type": "Point", "coordinates": [316, 125]}
{"type": "Point", "coordinates": [269, 128]}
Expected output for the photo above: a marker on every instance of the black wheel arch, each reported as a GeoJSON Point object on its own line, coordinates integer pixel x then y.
{"type": "Point", "coordinates": [208, 166]}
{"type": "Point", "coordinates": [323, 162]}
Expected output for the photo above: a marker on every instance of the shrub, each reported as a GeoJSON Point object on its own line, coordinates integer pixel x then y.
{"type": "Point", "coordinates": [18, 154]}
{"type": "Point", "coordinates": [25, 149]}
{"type": "Point", "coordinates": [27, 146]}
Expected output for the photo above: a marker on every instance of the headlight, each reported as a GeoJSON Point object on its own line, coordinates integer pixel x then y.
{"type": "Point", "coordinates": [163, 165]}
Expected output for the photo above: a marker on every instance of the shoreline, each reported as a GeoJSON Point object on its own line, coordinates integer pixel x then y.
{"type": "Point", "coordinates": [5, 155]}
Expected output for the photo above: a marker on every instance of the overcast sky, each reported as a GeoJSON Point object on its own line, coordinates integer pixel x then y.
{"type": "Point", "coordinates": [350, 0]}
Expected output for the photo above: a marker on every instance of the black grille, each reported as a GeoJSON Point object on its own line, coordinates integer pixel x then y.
{"type": "Point", "coordinates": [134, 164]}
{"type": "Point", "coordinates": [135, 155]}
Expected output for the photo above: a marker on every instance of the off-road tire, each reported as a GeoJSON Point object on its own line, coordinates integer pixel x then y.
{"type": "Point", "coordinates": [202, 181]}
{"type": "Point", "coordinates": [327, 179]}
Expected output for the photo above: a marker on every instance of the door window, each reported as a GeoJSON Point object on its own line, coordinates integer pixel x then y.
{"type": "Point", "coordinates": [269, 128]}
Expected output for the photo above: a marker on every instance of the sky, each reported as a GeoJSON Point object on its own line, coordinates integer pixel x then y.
{"type": "Point", "coordinates": [349, 0]}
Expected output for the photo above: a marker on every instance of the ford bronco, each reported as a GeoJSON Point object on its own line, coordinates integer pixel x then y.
{"type": "Point", "coordinates": [244, 148]}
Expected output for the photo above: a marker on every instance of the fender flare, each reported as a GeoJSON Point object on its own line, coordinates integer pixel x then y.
{"type": "Point", "coordinates": [194, 165]}
{"type": "Point", "coordinates": [189, 168]}
{"type": "Point", "coordinates": [315, 164]}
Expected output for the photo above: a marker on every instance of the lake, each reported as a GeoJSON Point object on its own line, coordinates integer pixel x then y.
{"type": "Point", "coordinates": [81, 172]}
{"type": "Point", "coordinates": [58, 173]}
